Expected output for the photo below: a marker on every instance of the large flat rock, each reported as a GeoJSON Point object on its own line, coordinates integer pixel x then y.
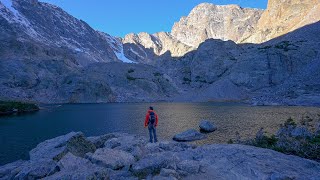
{"type": "Point", "coordinates": [56, 148]}
{"type": "Point", "coordinates": [9, 171]}
{"type": "Point", "coordinates": [73, 167]}
{"type": "Point", "coordinates": [153, 163]}
{"type": "Point", "coordinates": [246, 162]}
{"type": "Point", "coordinates": [111, 158]}
{"type": "Point", "coordinates": [36, 169]}
{"type": "Point", "coordinates": [99, 141]}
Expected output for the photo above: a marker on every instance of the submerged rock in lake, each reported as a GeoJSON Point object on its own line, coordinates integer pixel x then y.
{"type": "Point", "coordinates": [207, 126]}
{"type": "Point", "coordinates": [124, 156]}
{"type": "Point", "coordinates": [189, 135]}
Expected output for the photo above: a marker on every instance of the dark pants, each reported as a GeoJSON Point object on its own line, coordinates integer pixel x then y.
{"type": "Point", "coordinates": [152, 133]}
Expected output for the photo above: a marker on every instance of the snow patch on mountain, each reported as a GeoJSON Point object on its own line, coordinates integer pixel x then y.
{"type": "Point", "coordinates": [156, 40]}
{"type": "Point", "coordinates": [120, 54]}
{"type": "Point", "coordinates": [136, 53]}
{"type": "Point", "coordinates": [78, 50]}
{"type": "Point", "coordinates": [122, 57]}
{"type": "Point", "coordinates": [117, 47]}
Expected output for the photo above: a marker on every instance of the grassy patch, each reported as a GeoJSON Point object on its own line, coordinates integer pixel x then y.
{"type": "Point", "coordinates": [285, 45]}
{"type": "Point", "coordinates": [266, 142]}
{"type": "Point", "coordinates": [233, 58]}
{"type": "Point", "coordinates": [315, 140]}
{"type": "Point", "coordinates": [265, 47]}
{"type": "Point", "coordinates": [186, 80]}
{"type": "Point", "coordinates": [306, 144]}
{"type": "Point", "coordinates": [130, 70]}
{"type": "Point", "coordinates": [7, 108]}
{"type": "Point", "coordinates": [157, 74]}
{"type": "Point", "coordinates": [290, 122]}
{"type": "Point", "coordinates": [199, 79]}
{"type": "Point", "coordinates": [130, 78]}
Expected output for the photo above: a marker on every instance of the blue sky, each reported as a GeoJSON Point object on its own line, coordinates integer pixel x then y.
{"type": "Point", "coordinates": [120, 17]}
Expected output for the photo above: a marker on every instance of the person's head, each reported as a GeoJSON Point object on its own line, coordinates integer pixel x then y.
{"type": "Point", "coordinates": [151, 108]}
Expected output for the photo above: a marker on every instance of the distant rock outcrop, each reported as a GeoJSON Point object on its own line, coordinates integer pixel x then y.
{"type": "Point", "coordinates": [204, 22]}
{"type": "Point", "coordinates": [144, 47]}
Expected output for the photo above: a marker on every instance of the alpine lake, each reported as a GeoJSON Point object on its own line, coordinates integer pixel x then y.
{"type": "Point", "coordinates": [21, 133]}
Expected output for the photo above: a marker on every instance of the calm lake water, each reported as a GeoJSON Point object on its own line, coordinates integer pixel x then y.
{"type": "Point", "coordinates": [19, 134]}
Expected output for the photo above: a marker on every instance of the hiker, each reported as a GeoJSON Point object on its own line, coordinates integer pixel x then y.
{"type": "Point", "coordinates": [151, 122]}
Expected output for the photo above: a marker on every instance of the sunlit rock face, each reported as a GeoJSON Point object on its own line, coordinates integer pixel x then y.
{"type": "Point", "coordinates": [144, 47]}
{"type": "Point", "coordinates": [282, 17]}
{"type": "Point", "coordinates": [207, 21]}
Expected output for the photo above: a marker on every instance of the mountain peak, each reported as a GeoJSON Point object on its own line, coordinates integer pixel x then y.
{"type": "Point", "coordinates": [211, 5]}
{"type": "Point", "coordinates": [205, 21]}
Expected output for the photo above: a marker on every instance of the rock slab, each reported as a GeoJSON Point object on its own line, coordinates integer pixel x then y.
{"type": "Point", "coordinates": [189, 135]}
{"type": "Point", "coordinates": [110, 158]}
{"type": "Point", "coordinates": [56, 148]}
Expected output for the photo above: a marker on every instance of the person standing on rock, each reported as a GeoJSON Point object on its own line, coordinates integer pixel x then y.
{"type": "Point", "coordinates": [151, 122]}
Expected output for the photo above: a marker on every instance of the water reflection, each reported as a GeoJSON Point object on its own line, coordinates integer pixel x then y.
{"type": "Point", "coordinates": [19, 134]}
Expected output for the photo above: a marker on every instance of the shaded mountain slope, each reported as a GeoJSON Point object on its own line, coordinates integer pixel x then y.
{"type": "Point", "coordinates": [59, 59]}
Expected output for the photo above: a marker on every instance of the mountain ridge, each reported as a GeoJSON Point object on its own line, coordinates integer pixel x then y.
{"type": "Point", "coordinates": [77, 64]}
{"type": "Point", "coordinates": [207, 20]}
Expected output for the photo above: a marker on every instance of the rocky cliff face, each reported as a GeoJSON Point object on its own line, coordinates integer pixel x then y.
{"type": "Point", "coordinates": [49, 27]}
{"type": "Point", "coordinates": [223, 70]}
{"type": "Point", "coordinates": [282, 17]}
{"type": "Point", "coordinates": [218, 22]}
{"type": "Point", "coordinates": [51, 57]}
{"type": "Point", "coordinates": [204, 22]}
{"type": "Point", "coordinates": [231, 22]}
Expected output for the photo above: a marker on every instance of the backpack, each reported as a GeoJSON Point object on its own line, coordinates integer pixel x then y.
{"type": "Point", "coordinates": [152, 118]}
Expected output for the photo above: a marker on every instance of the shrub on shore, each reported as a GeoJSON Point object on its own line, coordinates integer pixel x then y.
{"type": "Point", "coordinates": [301, 140]}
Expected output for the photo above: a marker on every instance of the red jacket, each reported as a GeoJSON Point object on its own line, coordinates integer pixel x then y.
{"type": "Point", "coordinates": [147, 119]}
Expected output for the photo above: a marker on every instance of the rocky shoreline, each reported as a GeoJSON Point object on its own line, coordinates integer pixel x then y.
{"type": "Point", "coordinates": [126, 156]}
